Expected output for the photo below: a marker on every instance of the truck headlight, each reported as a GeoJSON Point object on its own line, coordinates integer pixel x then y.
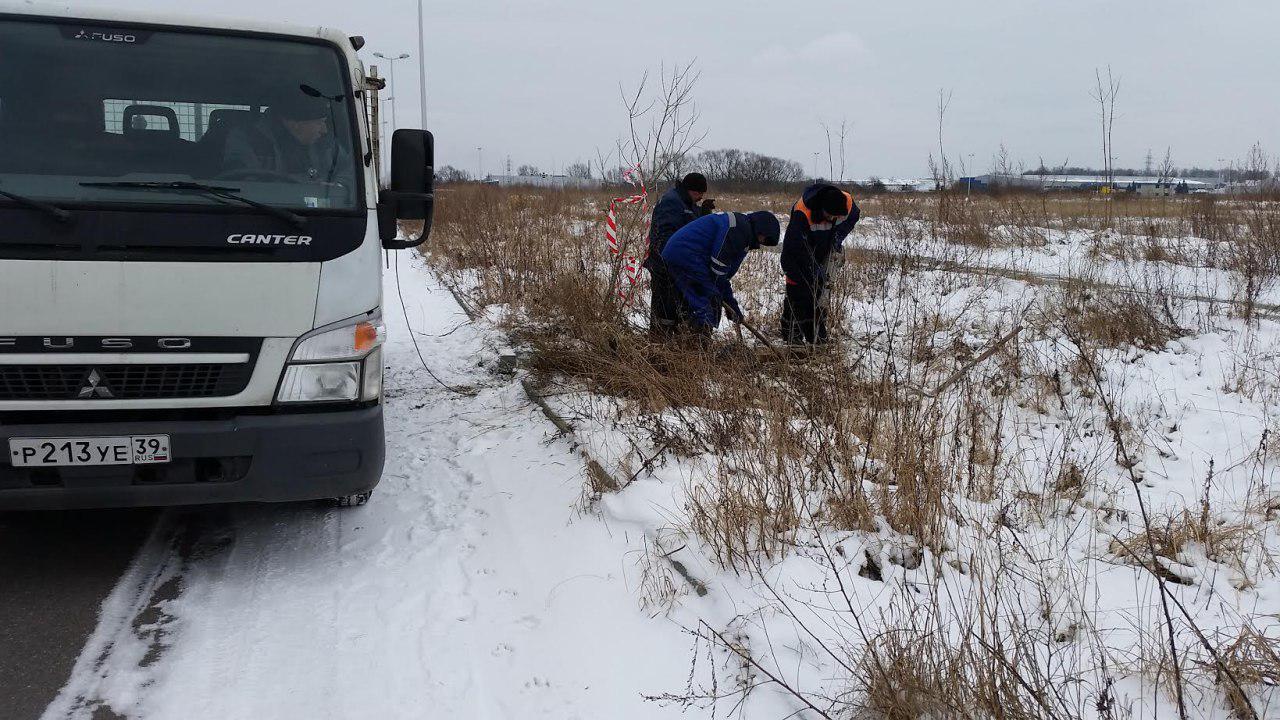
{"type": "Point", "coordinates": [341, 364]}
{"type": "Point", "coordinates": [327, 382]}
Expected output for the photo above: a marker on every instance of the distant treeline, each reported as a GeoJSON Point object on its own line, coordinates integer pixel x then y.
{"type": "Point", "coordinates": [729, 169]}
{"type": "Point", "coordinates": [743, 170]}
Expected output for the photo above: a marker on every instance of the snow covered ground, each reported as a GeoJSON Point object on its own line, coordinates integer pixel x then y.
{"type": "Point", "coordinates": [471, 586]}
{"type": "Point", "coordinates": [1107, 257]}
{"type": "Point", "coordinates": [1200, 415]}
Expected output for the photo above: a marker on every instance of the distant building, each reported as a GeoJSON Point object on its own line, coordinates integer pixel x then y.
{"type": "Point", "coordinates": [542, 180]}
{"type": "Point", "coordinates": [1168, 188]}
{"type": "Point", "coordinates": [1250, 187]}
{"type": "Point", "coordinates": [898, 184]}
{"type": "Point", "coordinates": [1142, 185]}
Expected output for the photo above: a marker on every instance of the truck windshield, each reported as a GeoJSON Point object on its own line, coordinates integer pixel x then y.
{"type": "Point", "coordinates": [83, 108]}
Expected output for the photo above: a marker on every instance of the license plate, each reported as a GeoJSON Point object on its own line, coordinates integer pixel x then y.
{"type": "Point", "coordinates": [75, 451]}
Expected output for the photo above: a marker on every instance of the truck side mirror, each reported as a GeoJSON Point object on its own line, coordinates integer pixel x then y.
{"type": "Point", "coordinates": [412, 193]}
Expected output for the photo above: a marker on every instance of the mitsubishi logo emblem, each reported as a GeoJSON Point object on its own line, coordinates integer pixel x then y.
{"type": "Point", "coordinates": [93, 387]}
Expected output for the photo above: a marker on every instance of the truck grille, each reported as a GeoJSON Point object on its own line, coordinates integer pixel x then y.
{"type": "Point", "coordinates": [123, 382]}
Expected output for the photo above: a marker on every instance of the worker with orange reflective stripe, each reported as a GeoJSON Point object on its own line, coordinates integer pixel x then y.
{"type": "Point", "coordinates": [820, 221]}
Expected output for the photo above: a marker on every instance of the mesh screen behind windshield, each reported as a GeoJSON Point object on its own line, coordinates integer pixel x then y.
{"type": "Point", "coordinates": [271, 118]}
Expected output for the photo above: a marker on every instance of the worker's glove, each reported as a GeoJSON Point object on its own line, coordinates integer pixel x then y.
{"type": "Point", "coordinates": [708, 206]}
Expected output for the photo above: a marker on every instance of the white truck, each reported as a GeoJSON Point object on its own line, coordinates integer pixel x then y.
{"type": "Point", "coordinates": [191, 239]}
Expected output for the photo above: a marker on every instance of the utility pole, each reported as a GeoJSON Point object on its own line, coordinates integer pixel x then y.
{"type": "Point", "coordinates": [392, 61]}
{"type": "Point", "coordinates": [815, 165]}
{"type": "Point", "coordinates": [375, 84]}
{"type": "Point", "coordinates": [422, 68]}
{"type": "Point", "coordinates": [480, 163]}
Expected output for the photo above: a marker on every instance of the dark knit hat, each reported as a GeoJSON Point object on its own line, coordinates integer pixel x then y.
{"type": "Point", "coordinates": [765, 223]}
{"type": "Point", "coordinates": [832, 201]}
{"type": "Point", "coordinates": [694, 182]}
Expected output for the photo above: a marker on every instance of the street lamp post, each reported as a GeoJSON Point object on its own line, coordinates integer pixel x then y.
{"type": "Point", "coordinates": [422, 68]}
{"type": "Point", "coordinates": [392, 61]}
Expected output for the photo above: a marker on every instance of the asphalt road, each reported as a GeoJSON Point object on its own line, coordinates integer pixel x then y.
{"type": "Point", "coordinates": [56, 568]}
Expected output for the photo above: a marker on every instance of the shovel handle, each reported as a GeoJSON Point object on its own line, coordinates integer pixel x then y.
{"type": "Point", "coordinates": [742, 323]}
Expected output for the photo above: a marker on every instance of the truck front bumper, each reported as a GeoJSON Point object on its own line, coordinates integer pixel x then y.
{"type": "Point", "coordinates": [244, 458]}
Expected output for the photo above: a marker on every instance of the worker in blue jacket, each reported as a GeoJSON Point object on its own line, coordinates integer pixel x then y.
{"type": "Point", "coordinates": [679, 206]}
{"type": "Point", "coordinates": [820, 221]}
{"type": "Point", "coordinates": [704, 255]}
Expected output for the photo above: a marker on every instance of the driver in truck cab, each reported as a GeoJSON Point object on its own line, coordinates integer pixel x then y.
{"type": "Point", "coordinates": [291, 138]}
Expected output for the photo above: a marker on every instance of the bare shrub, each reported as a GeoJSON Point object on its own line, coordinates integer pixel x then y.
{"type": "Point", "coordinates": [1172, 536]}
{"type": "Point", "coordinates": [662, 121]}
{"type": "Point", "coordinates": [1252, 658]}
{"type": "Point", "coordinates": [1255, 256]}
{"type": "Point", "coordinates": [917, 668]}
{"type": "Point", "coordinates": [1113, 319]}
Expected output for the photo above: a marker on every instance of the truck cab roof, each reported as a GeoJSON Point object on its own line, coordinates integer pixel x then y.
{"type": "Point", "coordinates": [175, 21]}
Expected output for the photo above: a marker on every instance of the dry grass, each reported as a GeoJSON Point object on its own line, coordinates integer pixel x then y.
{"type": "Point", "coordinates": [1253, 659]}
{"type": "Point", "coordinates": [912, 672]}
{"type": "Point", "coordinates": [1172, 537]}
{"type": "Point", "coordinates": [1110, 319]}
{"type": "Point", "coordinates": [1254, 256]}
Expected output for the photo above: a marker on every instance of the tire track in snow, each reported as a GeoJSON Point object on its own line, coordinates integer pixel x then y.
{"type": "Point", "coordinates": [133, 622]}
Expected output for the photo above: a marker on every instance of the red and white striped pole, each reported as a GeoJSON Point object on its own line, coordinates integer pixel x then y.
{"type": "Point", "coordinates": [630, 263]}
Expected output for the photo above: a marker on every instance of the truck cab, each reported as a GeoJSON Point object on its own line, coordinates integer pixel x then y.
{"type": "Point", "coordinates": [191, 239]}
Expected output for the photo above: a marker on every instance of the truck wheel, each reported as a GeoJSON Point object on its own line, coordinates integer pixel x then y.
{"type": "Point", "coordinates": [353, 500]}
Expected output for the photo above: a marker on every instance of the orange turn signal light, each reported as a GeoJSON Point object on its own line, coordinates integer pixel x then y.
{"type": "Point", "coordinates": [366, 337]}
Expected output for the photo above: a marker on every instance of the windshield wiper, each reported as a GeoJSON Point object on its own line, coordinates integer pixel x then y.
{"type": "Point", "coordinates": [57, 213]}
{"type": "Point", "coordinates": [227, 193]}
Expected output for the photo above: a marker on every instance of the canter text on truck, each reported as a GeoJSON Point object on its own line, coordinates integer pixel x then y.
{"type": "Point", "coordinates": [269, 239]}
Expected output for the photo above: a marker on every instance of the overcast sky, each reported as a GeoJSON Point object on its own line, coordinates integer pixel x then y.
{"type": "Point", "coordinates": [538, 80]}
